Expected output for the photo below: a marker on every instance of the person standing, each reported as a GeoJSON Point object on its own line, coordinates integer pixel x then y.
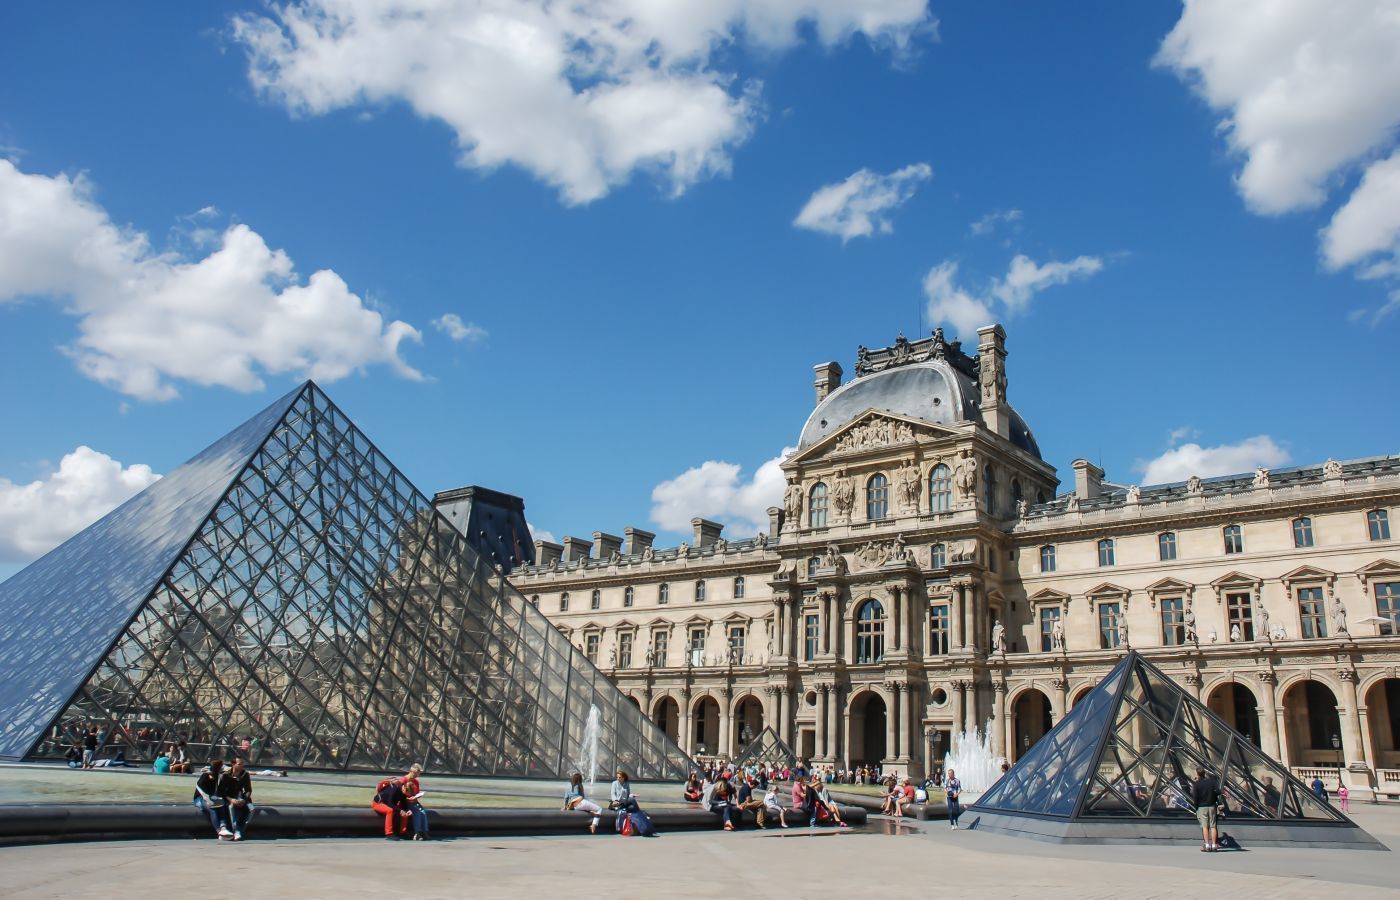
{"type": "Point", "coordinates": [1205, 796]}
{"type": "Point", "coordinates": [953, 787]}
{"type": "Point", "coordinates": [90, 747]}
{"type": "Point", "coordinates": [574, 799]}
{"type": "Point", "coordinates": [236, 787]}
{"type": "Point", "coordinates": [1343, 798]}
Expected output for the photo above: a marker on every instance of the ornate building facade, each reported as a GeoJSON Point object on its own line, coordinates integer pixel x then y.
{"type": "Point", "coordinates": [926, 577]}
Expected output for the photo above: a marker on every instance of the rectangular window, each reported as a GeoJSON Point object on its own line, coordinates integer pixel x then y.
{"type": "Point", "coordinates": [660, 644]}
{"type": "Point", "coordinates": [1312, 612]}
{"type": "Point", "coordinates": [1173, 621]}
{"type": "Point", "coordinates": [938, 630]}
{"type": "Point", "coordinates": [563, 602]}
{"type": "Point", "coordinates": [1378, 524]}
{"type": "Point", "coordinates": [697, 646]}
{"type": "Point", "coordinates": [739, 588]}
{"type": "Point", "coordinates": [624, 650]}
{"type": "Point", "coordinates": [629, 596]}
{"type": "Point", "coordinates": [1106, 552]}
{"type": "Point", "coordinates": [810, 635]}
{"type": "Point", "coordinates": [1047, 558]}
{"type": "Point", "coordinates": [1388, 607]}
{"type": "Point", "coordinates": [1108, 625]}
{"type": "Point", "coordinates": [737, 634]}
{"type": "Point", "coordinates": [1234, 539]}
{"type": "Point", "coordinates": [1049, 615]}
{"type": "Point", "coordinates": [590, 648]}
{"type": "Point", "coordinates": [699, 591]}
{"type": "Point", "coordinates": [1302, 532]}
{"type": "Point", "coordinates": [1240, 608]}
{"type": "Point", "coordinates": [1166, 545]}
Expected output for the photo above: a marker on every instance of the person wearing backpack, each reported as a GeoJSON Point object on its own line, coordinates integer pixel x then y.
{"type": "Point", "coordinates": [391, 803]}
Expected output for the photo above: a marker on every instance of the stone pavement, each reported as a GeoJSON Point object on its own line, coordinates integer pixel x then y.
{"type": "Point", "coordinates": [795, 863]}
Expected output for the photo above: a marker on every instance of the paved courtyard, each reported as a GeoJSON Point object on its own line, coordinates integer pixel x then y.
{"type": "Point", "coordinates": [797, 863]}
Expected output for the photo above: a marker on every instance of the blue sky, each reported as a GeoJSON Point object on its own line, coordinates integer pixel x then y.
{"type": "Point", "coordinates": [621, 238]}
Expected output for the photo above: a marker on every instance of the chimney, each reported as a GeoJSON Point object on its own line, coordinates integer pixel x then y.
{"type": "Point", "coordinates": [607, 544]}
{"type": "Point", "coordinates": [991, 378]}
{"type": "Point", "coordinates": [547, 552]}
{"type": "Point", "coordinates": [828, 379]}
{"type": "Point", "coordinates": [775, 522]}
{"type": "Point", "coordinates": [706, 532]}
{"type": "Point", "coordinates": [1088, 479]}
{"type": "Point", "coordinates": [637, 539]}
{"type": "Point", "coordinates": [576, 548]}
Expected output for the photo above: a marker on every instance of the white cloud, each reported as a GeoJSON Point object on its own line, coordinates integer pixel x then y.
{"type": "Point", "coordinates": [1180, 463]}
{"type": "Point", "coordinates": [539, 534]}
{"type": "Point", "coordinates": [1369, 224]}
{"type": "Point", "coordinates": [452, 325]}
{"type": "Point", "coordinates": [861, 205]}
{"type": "Point", "coordinates": [36, 517]}
{"type": "Point", "coordinates": [148, 319]}
{"type": "Point", "coordinates": [580, 94]}
{"type": "Point", "coordinates": [989, 223]}
{"type": "Point", "coordinates": [1008, 296]}
{"type": "Point", "coordinates": [715, 490]}
{"type": "Point", "coordinates": [1180, 434]}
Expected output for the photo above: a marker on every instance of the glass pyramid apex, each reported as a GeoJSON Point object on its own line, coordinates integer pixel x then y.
{"type": "Point", "coordinates": [290, 597]}
{"type": "Point", "coordinates": [768, 749]}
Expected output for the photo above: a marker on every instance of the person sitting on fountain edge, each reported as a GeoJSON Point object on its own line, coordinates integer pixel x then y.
{"type": "Point", "coordinates": [574, 799]}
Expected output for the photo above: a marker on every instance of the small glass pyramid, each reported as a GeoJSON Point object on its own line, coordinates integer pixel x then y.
{"type": "Point", "coordinates": [768, 749]}
{"type": "Point", "coordinates": [1129, 751]}
{"type": "Point", "coordinates": [289, 596]}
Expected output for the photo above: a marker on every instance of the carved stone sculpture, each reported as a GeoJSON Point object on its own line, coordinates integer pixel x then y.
{"type": "Point", "coordinates": [998, 637]}
{"type": "Point", "coordinates": [1339, 616]}
{"type": "Point", "coordinates": [843, 495]}
{"type": "Point", "coordinates": [1193, 485]}
{"type": "Point", "coordinates": [651, 657]}
{"type": "Point", "coordinates": [792, 503]}
{"type": "Point", "coordinates": [910, 487]}
{"type": "Point", "coordinates": [965, 478]}
{"type": "Point", "coordinates": [832, 558]}
{"type": "Point", "coordinates": [1122, 624]}
{"type": "Point", "coordinates": [1057, 635]}
{"type": "Point", "coordinates": [1235, 634]}
{"type": "Point", "coordinates": [1189, 621]}
{"type": "Point", "coordinates": [1264, 623]}
{"type": "Point", "coordinates": [761, 540]}
{"type": "Point", "coordinates": [1134, 495]}
{"type": "Point", "coordinates": [1023, 509]}
{"type": "Point", "coordinates": [1261, 477]}
{"type": "Point", "coordinates": [1331, 469]}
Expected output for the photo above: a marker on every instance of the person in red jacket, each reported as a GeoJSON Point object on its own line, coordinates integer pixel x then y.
{"type": "Point", "coordinates": [391, 802]}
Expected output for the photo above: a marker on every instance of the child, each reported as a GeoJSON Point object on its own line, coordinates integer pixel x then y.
{"type": "Point", "coordinates": [1343, 798]}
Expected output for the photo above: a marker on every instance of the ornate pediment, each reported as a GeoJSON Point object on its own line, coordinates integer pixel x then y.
{"type": "Point", "coordinates": [873, 430]}
{"type": "Point", "coordinates": [1381, 568]}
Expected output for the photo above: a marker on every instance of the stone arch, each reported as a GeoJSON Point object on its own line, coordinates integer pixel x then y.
{"type": "Point", "coordinates": [1310, 720]}
{"type": "Point", "coordinates": [705, 713]}
{"type": "Point", "coordinates": [1381, 699]}
{"type": "Point", "coordinates": [1238, 704]}
{"type": "Point", "coordinates": [867, 722]}
{"type": "Point", "coordinates": [666, 713]}
{"type": "Point", "coordinates": [1014, 696]}
{"type": "Point", "coordinates": [1031, 719]}
{"type": "Point", "coordinates": [1080, 692]}
{"type": "Point", "coordinates": [747, 712]}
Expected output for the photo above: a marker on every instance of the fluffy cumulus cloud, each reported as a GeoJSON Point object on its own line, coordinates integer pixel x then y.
{"type": "Point", "coordinates": [452, 325]}
{"type": "Point", "coordinates": [1181, 462]}
{"type": "Point", "coordinates": [148, 319]}
{"type": "Point", "coordinates": [861, 205]}
{"type": "Point", "coordinates": [967, 310]}
{"type": "Point", "coordinates": [718, 491]}
{"type": "Point", "coordinates": [580, 94]}
{"type": "Point", "coordinates": [36, 517]}
{"type": "Point", "coordinates": [1310, 92]}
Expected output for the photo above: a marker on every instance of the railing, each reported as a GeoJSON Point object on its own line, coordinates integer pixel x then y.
{"type": "Point", "coordinates": [1388, 776]}
{"type": "Point", "coordinates": [1306, 774]}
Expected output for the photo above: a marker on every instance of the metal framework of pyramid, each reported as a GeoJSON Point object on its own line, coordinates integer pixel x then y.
{"type": "Point", "coordinates": [1119, 768]}
{"type": "Point", "coordinates": [289, 596]}
{"type": "Point", "coordinates": [768, 749]}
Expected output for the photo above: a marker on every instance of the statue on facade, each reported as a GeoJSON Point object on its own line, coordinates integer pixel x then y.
{"type": "Point", "coordinates": [1235, 634]}
{"type": "Point", "coordinates": [1134, 495]}
{"type": "Point", "coordinates": [1122, 625]}
{"type": "Point", "coordinates": [998, 637]}
{"type": "Point", "coordinates": [901, 351]}
{"type": "Point", "coordinates": [1071, 502]}
{"type": "Point", "coordinates": [1264, 623]}
{"type": "Point", "coordinates": [1189, 621]}
{"type": "Point", "coordinates": [1331, 469]}
{"type": "Point", "coordinates": [910, 485]}
{"type": "Point", "coordinates": [832, 558]}
{"type": "Point", "coordinates": [647, 554]}
{"type": "Point", "coordinates": [1023, 509]}
{"type": "Point", "coordinates": [651, 657]}
{"type": "Point", "coordinates": [1339, 616]}
{"type": "Point", "coordinates": [1193, 485]}
{"type": "Point", "coordinates": [965, 477]}
{"type": "Point", "coordinates": [1057, 635]}
{"type": "Point", "coordinates": [721, 545]}
{"type": "Point", "coordinates": [862, 361]}
{"type": "Point", "coordinates": [792, 503]}
{"type": "Point", "coordinates": [898, 552]}
{"type": "Point", "coordinates": [761, 540]}
{"type": "Point", "coordinates": [612, 658]}
{"type": "Point", "coordinates": [843, 494]}
{"type": "Point", "coordinates": [683, 551]}
{"type": "Point", "coordinates": [1261, 477]}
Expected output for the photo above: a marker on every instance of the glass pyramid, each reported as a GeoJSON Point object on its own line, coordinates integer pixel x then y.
{"type": "Point", "coordinates": [766, 750]}
{"type": "Point", "coordinates": [289, 596]}
{"type": "Point", "coordinates": [1130, 750]}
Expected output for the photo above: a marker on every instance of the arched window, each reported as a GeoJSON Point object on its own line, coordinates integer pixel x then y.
{"type": "Point", "coordinates": [938, 556]}
{"type": "Point", "coordinates": [1047, 558]}
{"type": "Point", "coordinates": [699, 591]}
{"type": "Point", "coordinates": [940, 489]}
{"type": "Point", "coordinates": [629, 596]}
{"type": "Point", "coordinates": [816, 506]}
{"type": "Point", "coordinates": [1302, 532]}
{"type": "Point", "coordinates": [1016, 495]}
{"type": "Point", "coordinates": [1166, 545]}
{"type": "Point", "coordinates": [596, 601]}
{"type": "Point", "coordinates": [739, 587]}
{"type": "Point", "coordinates": [1234, 539]}
{"type": "Point", "coordinates": [989, 491]}
{"type": "Point", "coordinates": [1106, 552]}
{"type": "Point", "coordinates": [870, 632]}
{"type": "Point", "coordinates": [564, 602]}
{"type": "Point", "coordinates": [663, 594]}
{"type": "Point", "coordinates": [812, 565]}
{"type": "Point", "coordinates": [1378, 524]}
{"type": "Point", "coordinates": [877, 498]}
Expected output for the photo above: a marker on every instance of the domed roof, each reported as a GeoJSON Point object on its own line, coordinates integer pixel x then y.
{"type": "Point", "coordinates": [932, 391]}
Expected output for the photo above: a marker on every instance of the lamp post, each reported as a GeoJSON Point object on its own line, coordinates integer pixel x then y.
{"type": "Point", "coordinates": [935, 765]}
{"type": "Point", "coordinates": [1337, 745]}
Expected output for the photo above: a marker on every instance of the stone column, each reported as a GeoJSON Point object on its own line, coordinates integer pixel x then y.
{"type": "Point", "coordinates": [896, 631]}
{"type": "Point", "coordinates": [780, 625]}
{"type": "Point", "coordinates": [959, 688]}
{"type": "Point", "coordinates": [958, 638]}
{"type": "Point", "coordinates": [687, 735]}
{"type": "Point", "coordinates": [911, 725]}
{"type": "Point", "coordinates": [1193, 681]}
{"type": "Point", "coordinates": [1268, 717]}
{"type": "Point", "coordinates": [785, 714]}
{"type": "Point", "coordinates": [1352, 750]}
{"type": "Point", "coordinates": [726, 722]}
{"type": "Point", "coordinates": [828, 608]}
{"type": "Point", "coordinates": [891, 720]}
{"type": "Point", "coordinates": [823, 697]}
{"type": "Point", "coordinates": [999, 717]}
{"type": "Point", "coordinates": [1059, 700]}
{"type": "Point", "coordinates": [833, 721]}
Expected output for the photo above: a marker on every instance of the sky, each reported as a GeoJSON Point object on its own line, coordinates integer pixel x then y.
{"type": "Point", "coordinates": [589, 253]}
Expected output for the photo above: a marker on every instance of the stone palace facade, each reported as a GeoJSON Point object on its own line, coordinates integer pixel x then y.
{"type": "Point", "coordinates": [925, 577]}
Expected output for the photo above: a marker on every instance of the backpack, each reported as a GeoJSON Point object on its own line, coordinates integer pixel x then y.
{"type": "Point", "coordinates": [382, 792]}
{"type": "Point", "coordinates": [640, 824]}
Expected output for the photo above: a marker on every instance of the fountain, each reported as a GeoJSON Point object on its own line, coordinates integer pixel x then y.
{"type": "Point", "coordinates": [972, 760]}
{"type": "Point", "coordinates": [587, 760]}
